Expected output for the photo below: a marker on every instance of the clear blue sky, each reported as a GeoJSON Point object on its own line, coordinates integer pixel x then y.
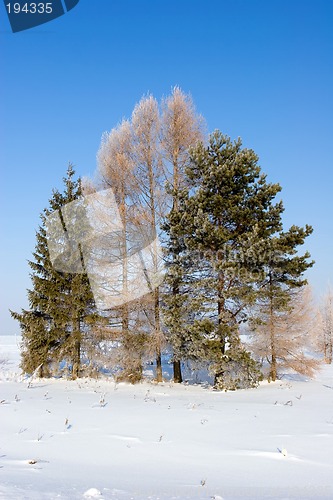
{"type": "Point", "coordinates": [258, 69]}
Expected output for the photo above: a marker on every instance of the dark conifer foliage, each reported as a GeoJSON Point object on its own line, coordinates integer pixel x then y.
{"type": "Point", "coordinates": [61, 305]}
{"type": "Point", "coordinates": [223, 232]}
{"type": "Point", "coordinates": [282, 276]}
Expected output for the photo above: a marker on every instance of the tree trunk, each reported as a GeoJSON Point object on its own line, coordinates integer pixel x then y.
{"type": "Point", "coordinates": [77, 351]}
{"type": "Point", "coordinates": [218, 377]}
{"type": "Point", "coordinates": [159, 375]}
{"type": "Point", "coordinates": [273, 369]}
{"type": "Point", "coordinates": [329, 355]}
{"type": "Point", "coordinates": [273, 362]}
{"type": "Point", "coordinates": [177, 372]}
{"type": "Point", "coordinates": [177, 368]}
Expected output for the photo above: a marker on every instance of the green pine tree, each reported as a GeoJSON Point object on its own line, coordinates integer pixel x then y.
{"type": "Point", "coordinates": [283, 274]}
{"type": "Point", "coordinates": [182, 299]}
{"type": "Point", "coordinates": [61, 305]}
{"type": "Point", "coordinates": [224, 218]}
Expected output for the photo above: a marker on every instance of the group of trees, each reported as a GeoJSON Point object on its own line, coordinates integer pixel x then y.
{"type": "Point", "coordinates": [231, 261]}
{"type": "Point", "coordinates": [230, 267]}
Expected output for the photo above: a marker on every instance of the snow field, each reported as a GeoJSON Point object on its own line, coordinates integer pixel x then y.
{"type": "Point", "coordinates": [97, 439]}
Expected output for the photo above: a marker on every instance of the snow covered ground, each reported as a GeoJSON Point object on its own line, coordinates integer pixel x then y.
{"type": "Point", "coordinates": [95, 439]}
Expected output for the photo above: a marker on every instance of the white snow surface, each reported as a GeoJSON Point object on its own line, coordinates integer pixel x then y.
{"type": "Point", "coordinates": [97, 439]}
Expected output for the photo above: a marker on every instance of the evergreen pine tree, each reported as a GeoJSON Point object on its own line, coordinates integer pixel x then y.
{"type": "Point", "coordinates": [227, 212]}
{"type": "Point", "coordinates": [182, 300]}
{"type": "Point", "coordinates": [283, 275]}
{"type": "Point", "coordinates": [61, 305]}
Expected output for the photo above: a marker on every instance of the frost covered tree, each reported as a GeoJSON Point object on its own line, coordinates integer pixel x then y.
{"type": "Point", "coordinates": [181, 129]}
{"type": "Point", "coordinates": [150, 202]}
{"type": "Point", "coordinates": [61, 304]}
{"type": "Point", "coordinates": [326, 328]}
{"type": "Point", "coordinates": [136, 160]}
{"type": "Point", "coordinates": [116, 171]}
{"type": "Point", "coordinates": [283, 336]}
{"type": "Point", "coordinates": [130, 163]}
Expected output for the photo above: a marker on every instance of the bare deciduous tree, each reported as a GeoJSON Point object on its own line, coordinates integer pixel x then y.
{"type": "Point", "coordinates": [150, 176]}
{"type": "Point", "coordinates": [116, 171]}
{"type": "Point", "coordinates": [284, 338]}
{"type": "Point", "coordinates": [325, 337]}
{"type": "Point", "coordinates": [135, 160]}
{"type": "Point", "coordinates": [181, 129]}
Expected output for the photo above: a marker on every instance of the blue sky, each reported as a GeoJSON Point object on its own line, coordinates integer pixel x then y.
{"type": "Point", "coordinates": [258, 69]}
